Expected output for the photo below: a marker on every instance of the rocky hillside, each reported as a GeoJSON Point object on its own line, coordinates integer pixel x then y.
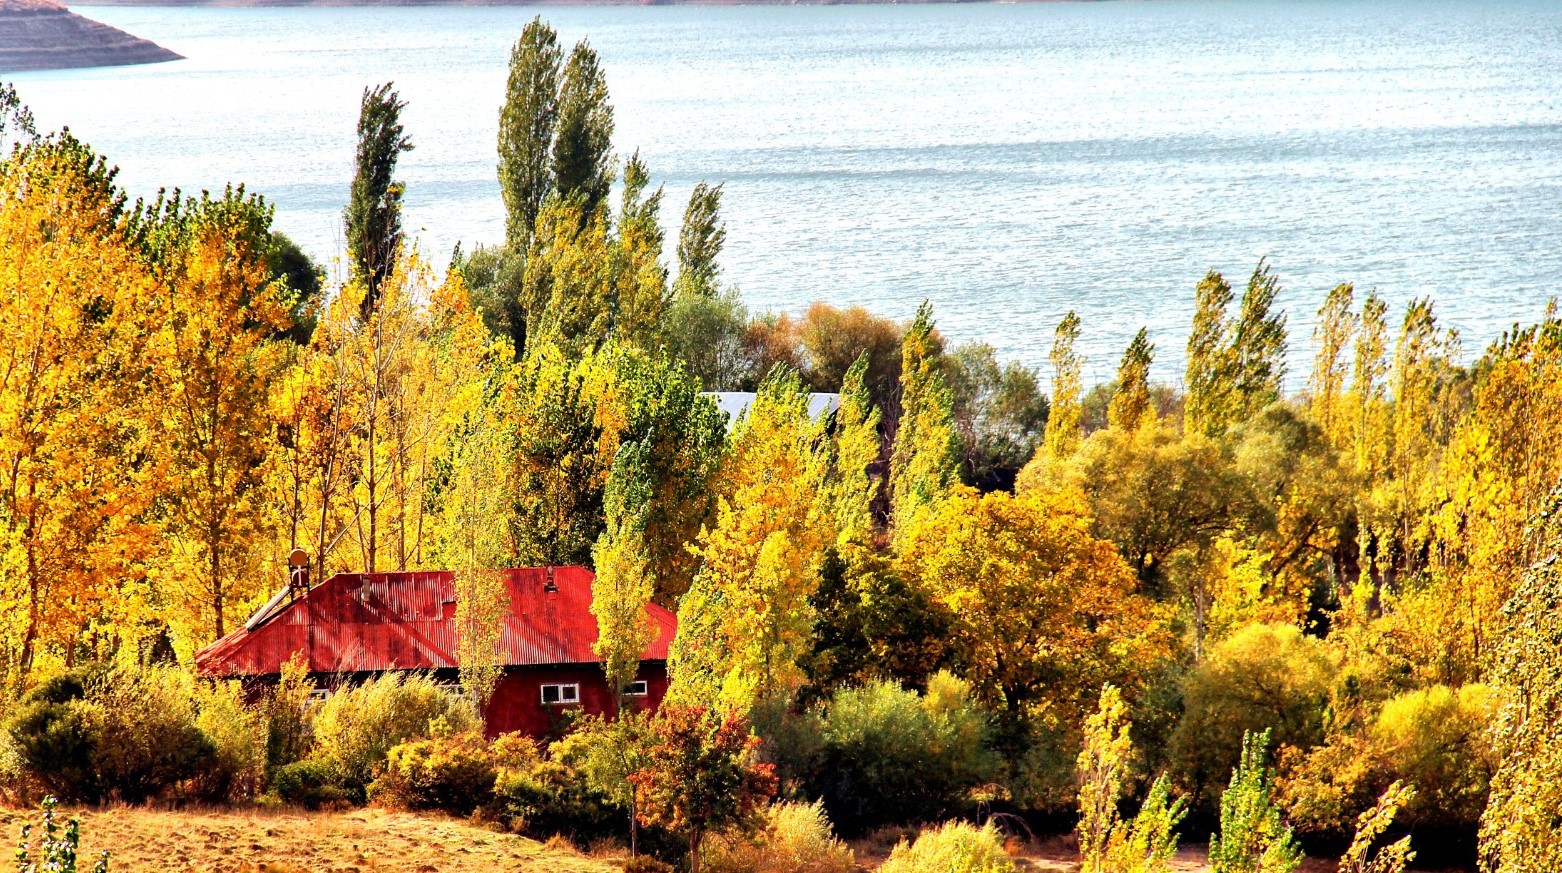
{"type": "Point", "coordinates": [44, 35]}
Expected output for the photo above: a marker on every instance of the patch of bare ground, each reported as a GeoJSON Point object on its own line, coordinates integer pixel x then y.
{"type": "Point", "coordinates": [290, 841]}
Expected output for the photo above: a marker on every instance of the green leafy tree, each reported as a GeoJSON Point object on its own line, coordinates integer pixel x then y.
{"type": "Point", "coordinates": [1106, 843]}
{"type": "Point", "coordinates": [1393, 858]}
{"type": "Point", "coordinates": [583, 138]}
{"type": "Point", "coordinates": [856, 444]}
{"type": "Point", "coordinates": [1258, 343]}
{"type": "Point", "coordinates": [1252, 837]}
{"type": "Point", "coordinates": [1332, 338]}
{"type": "Point", "coordinates": [526, 124]}
{"type": "Point", "coordinates": [700, 241]}
{"type": "Point", "coordinates": [701, 775]}
{"type": "Point", "coordinates": [1132, 404]}
{"type": "Point", "coordinates": [999, 411]}
{"type": "Point", "coordinates": [373, 215]}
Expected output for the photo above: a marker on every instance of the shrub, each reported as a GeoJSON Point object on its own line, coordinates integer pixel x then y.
{"type": "Point", "coordinates": [56, 850]}
{"type": "Point", "coordinates": [288, 715]}
{"type": "Point", "coordinates": [356, 728]}
{"type": "Point", "coordinates": [453, 773]}
{"type": "Point", "coordinates": [1252, 837]}
{"type": "Point", "coordinates": [954, 847]}
{"type": "Point", "coordinates": [1436, 740]}
{"type": "Point", "coordinates": [309, 783]}
{"type": "Point", "coordinates": [128, 732]}
{"type": "Point", "coordinates": [237, 733]}
{"type": "Point", "coordinates": [551, 798]}
{"type": "Point", "coordinates": [646, 864]}
{"type": "Point", "coordinates": [1265, 677]}
{"type": "Point", "coordinates": [796, 838]}
{"type": "Point", "coordinates": [891, 755]}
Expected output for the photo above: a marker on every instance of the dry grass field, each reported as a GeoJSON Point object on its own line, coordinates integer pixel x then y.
{"type": "Point", "coordinates": [286, 841]}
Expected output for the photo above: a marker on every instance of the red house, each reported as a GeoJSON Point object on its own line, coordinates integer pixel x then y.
{"type": "Point", "coordinates": [358, 625]}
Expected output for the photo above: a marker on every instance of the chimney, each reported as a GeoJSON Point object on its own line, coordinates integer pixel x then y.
{"type": "Point", "coordinates": [550, 586]}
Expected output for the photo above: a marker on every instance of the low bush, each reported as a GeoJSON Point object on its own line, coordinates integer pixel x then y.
{"type": "Point", "coordinates": [891, 755]}
{"type": "Point", "coordinates": [356, 728]}
{"type": "Point", "coordinates": [309, 783]}
{"type": "Point", "coordinates": [128, 733]}
{"type": "Point", "coordinates": [796, 838]}
{"type": "Point", "coordinates": [646, 864]}
{"type": "Point", "coordinates": [454, 773]}
{"type": "Point", "coordinates": [237, 732]}
{"type": "Point", "coordinates": [954, 847]}
{"type": "Point", "coordinates": [551, 798]}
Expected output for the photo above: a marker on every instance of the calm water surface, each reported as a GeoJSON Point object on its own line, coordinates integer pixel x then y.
{"type": "Point", "coordinates": [1008, 162]}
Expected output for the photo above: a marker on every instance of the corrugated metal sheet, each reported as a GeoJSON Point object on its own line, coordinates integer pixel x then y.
{"type": "Point", "coordinates": [406, 621]}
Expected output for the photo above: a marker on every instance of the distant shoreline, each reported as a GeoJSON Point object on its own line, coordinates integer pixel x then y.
{"type": "Point", "coordinates": [257, 4]}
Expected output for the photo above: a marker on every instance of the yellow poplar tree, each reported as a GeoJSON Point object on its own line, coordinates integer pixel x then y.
{"type": "Point", "coordinates": [1061, 436]}
{"type": "Point", "coordinates": [925, 462]}
{"type": "Point", "coordinates": [216, 361]}
{"type": "Point", "coordinates": [73, 431]}
{"type": "Point", "coordinates": [747, 617]}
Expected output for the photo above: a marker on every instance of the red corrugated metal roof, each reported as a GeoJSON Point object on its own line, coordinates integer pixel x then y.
{"type": "Point", "coordinates": [406, 621]}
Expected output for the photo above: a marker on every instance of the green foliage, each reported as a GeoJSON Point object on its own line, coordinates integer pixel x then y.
{"type": "Point", "coordinates": [55, 849]}
{"type": "Point", "coordinates": [1252, 837]}
{"type": "Point", "coordinates": [999, 412]}
{"type": "Point", "coordinates": [356, 727]}
{"type": "Point", "coordinates": [1437, 740]}
{"type": "Point", "coordinates": [526, 124]}
{"type": "Point", "coordinates": [310, 783]}
{"type": "Point", "coordinates": [1393, 858]}
{"type": "Point", "coordinates": [454, 773]}
{"type": "Point", "coordinates": [238, 734]}
{"type": "Point", "coordinates": [705, 334]}
{"type": "Point", "coordinates": [128, 733]}
{"type": "Point", "coordinates": [305, 280]}
{"type": "Point", "coordinates": [953, 847]}
{"type": "Point", "coordinates": [1106, 843]}
{"type": "Point", "coordinates": [888, 755]}
{"type": "Point", "coordinates": [583, 137]}
{"type": "Point", "coordinates": [287, 714]}
{"type": "Point", "coordinates": [700, 241]}
{"type": "Point", "coordinates": [872, 623]}
{"type": "Point", "coordinates": [1269, 678]}
{"type": "Point", "coordinates": [624, 583]}
{"type": "Point", "coordinates": [373, 212]}
{"type": "Point", "coordinates": [796, 838]}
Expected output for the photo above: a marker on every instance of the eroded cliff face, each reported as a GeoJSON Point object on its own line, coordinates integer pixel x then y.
{"type": "Point", "coordinates": [44, 35]}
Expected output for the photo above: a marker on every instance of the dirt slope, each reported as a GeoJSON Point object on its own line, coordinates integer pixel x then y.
{"type": "Point", "coordinates": [44, 35]}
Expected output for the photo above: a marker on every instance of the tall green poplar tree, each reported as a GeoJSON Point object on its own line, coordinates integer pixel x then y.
{"type": "Point", "coordinates": [1061, 435]}
{"type": "Point", "coordinates": [373, 212]}
{"type": "Point", "coordinates": [526, 124]}
{"type": "Point", "coordinates": [1208, 383]}
{"type": "Point", "coordinates": [583, 140]}
{"type": "Point", "coordinates": [699, 244]}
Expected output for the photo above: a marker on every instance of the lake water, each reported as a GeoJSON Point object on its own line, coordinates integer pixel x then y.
{"type": "Point", "coordinates": [1008, 162]}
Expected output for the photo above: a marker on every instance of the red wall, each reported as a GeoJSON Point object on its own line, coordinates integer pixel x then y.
{"type": "Point", "coordinates": [517, 701]}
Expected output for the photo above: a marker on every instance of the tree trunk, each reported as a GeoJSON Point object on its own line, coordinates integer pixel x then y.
{"type": "Point", "coordinates": [695, 838]}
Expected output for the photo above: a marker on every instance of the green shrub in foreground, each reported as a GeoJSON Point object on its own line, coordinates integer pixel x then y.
{"type": "Point", "coordinates": [796, 838]}
{"type": "Point", "coordinates": [453, 773]}
{"type": "Point", "coordinates": [954, 847]}
{"type": "Point", "coordinates": [356, 728]}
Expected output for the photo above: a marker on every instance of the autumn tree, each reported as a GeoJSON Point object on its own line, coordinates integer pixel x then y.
{"type": "Point", "coordinates": [1131, 402]}
{"type": "Point", "coordinates": [1331, 339]}
{"type": "Point", "coordinates": [1207, 382]}
{"type": "Point", "coordinates": [924, 463]}
{"type": "Point", "coordinates": [373, 212]}
{"type": "Point", "coordinates": [216, 365]}
{"type": "Point", "coordinates": [1253, 838]}
{"type": "Point", "coordinates": [76, 445]}
{"type": "Point", "coordinates": [1235, 365]}
{"type": "Point", "coordinates": [1258, 344]}
{"type": "Point", "coordinates": [1062, 433]}
{"type": "Point", "coordinates": [1518, 829]}
{"type": "Point", "coordinates": [624, 584]}
{"type": "Point", "coordinates": [999, 413]}
{"type": "Point", "coordinates": [701, 775]}
{"type": "Point", "coordinates": [1108, 844]}
{"type": "Point", "coordinates": [856, 447]}
{"type": "Point", "coordinates": [746, 620]}
{"type": "Point", "coordinates": [1042, 610]}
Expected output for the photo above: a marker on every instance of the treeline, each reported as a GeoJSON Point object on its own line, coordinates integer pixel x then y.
{"type": "Point", "coordinates": [915, 602]}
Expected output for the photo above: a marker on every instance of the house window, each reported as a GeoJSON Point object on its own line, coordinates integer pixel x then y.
{"type": "Point", "coordinates": [638, 689]}
{"type": "Point", "coordinates": [317, 697]}
{"type": "Point", "coordinates": [561, 694]}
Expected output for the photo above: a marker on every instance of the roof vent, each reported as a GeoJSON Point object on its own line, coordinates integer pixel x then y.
{"type": "Point", "coordinates": [550, 586]}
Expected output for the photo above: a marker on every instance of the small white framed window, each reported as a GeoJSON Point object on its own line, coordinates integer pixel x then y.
{"type": "Point", "coordinates": [317, 696]}
{"type": "Point", "coordinates": [563, 693]}
{"type": "Point", "coordinates": [638, 689]}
